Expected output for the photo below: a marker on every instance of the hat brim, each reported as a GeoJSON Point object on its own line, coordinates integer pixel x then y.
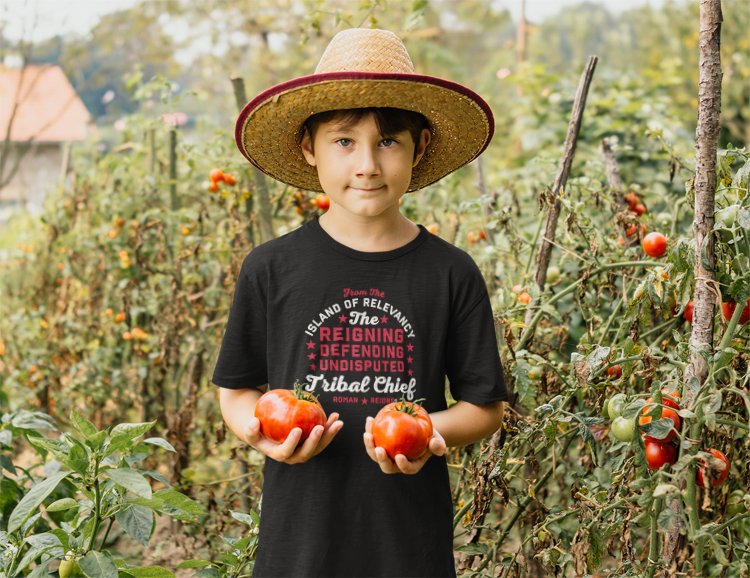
{"type": "Point", "coordinates": [269, 127]}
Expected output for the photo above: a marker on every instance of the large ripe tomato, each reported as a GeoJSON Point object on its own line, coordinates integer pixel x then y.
{"type": "Point", "coordinates": [654, 244]}
{"type": "Point", "coordinates": [282, 410]}
{"type": "Point", "coordinates": [402, 427]}
{"type": "Point", "coordinates": [716, 472]}
{"type": "Point", "coordinates": [666, 413]}
{"type": "Point", "coordinates": [728, 307]}
{"type": "Point", "coordinates": [659, 453]}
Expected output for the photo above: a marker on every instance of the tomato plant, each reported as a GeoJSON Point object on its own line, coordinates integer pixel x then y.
{"type": "Point", "coordinates": [282, 410]}
{"type": "Point", "coordinates": [402, 427]}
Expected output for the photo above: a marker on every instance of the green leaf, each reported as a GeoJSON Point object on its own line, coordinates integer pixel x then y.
{"type": "Point", "coordinates": [34, 421]}
{"type": "Point", "coordinates": [179, 505]}
{"type": "Point", "coordinates": [123, 434]}
{"type": "Point", "coordinates": [666, 520]}
{"type": "Point", "coordinates": [150, 572]}
{"type": "Point", "coordinates": [244, 518]}
{"type": "Point", "coordinates": [596, 549]}
{"type": "Point", "coordinates": [138, 521]}
{"type": "Point", "coordinates": [161, 442]}
{"type": "Point", "coordinates": [30, 502]}
{"type": "Point", "coordinates": [131, 480]}
{"type": "Point", "coordinates": [98, 565]}
{"type": "Point", "coordinates": [659, 428]}
{"type": "Point", "coordinates": [39, 544]}
{"type": "Point", "coordinates": [62, 504]}
{"type": "Point", "coordinates": [82, 425]}
{"type": "Point", "coordinates": [194, 564]}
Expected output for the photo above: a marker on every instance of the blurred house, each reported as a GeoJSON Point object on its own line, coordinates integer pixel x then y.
{"type": "Point", "coordinates": [40, 117]}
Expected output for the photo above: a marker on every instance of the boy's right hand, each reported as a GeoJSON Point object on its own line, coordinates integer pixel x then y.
{"type": "Point", "coordinates": [288, 452]}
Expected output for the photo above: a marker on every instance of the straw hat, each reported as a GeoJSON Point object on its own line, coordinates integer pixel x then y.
{"type": "Point", "coordinates": [363, 68]}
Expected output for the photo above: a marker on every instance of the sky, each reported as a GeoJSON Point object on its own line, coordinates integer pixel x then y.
{"type": "Point", "coordinates": [46, 18]}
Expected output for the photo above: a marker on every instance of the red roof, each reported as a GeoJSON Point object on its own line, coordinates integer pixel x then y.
{"type": "Point", "coordinates": [49, 109]}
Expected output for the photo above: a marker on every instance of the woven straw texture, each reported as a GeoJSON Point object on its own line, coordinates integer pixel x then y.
{"type": "Point", "coordinates": [372, 51]}
{"type": "Point", "coordinates": [269, 127]}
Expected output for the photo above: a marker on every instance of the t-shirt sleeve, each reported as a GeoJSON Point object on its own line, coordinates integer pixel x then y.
{"type": "Point", "coordinates": [473, 363]}
{"type": "Point", "coordinates": [242, 357]}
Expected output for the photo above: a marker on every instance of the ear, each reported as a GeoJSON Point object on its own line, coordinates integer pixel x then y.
{"type": "Point", "coordinates": [307, 148]}
{"type": "Point", "coordinates": [424, 140]}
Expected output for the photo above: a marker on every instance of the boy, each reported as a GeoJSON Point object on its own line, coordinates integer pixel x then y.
{"type": "Point", "coordinates": [364, 307]}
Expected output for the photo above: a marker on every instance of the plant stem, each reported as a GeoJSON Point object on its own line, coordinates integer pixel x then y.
{"type": "Point", "coordinates": [97, 507]}
{"type": "Point", "coordinates": [529, 331]}
{"type": "Point", "coordinates": [653, 550]}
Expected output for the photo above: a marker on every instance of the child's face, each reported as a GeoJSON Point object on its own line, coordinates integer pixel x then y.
{"type": "Point", "coordinates": [363, 173]}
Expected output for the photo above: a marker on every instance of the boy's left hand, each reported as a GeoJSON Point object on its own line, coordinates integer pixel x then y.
{"type": "Point", "coordinates": [402, 465]}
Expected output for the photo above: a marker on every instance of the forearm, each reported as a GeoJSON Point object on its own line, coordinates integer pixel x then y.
{"type": "Point", "coordinates": [465, 423]}
{"type": "Point", "coordinates": [237, 407]}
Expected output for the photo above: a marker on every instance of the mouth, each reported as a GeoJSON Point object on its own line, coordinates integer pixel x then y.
{"type": "Point", "coordinates": [366, 189]}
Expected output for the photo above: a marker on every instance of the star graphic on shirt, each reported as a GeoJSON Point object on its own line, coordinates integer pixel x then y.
{"type": "Point", "coordinates": [410, 372]}
{"type": "Point", "coordinates": [410, 347]}
{"type": "Point", "coordinates": [313, 366]}
{"type": "Point", "coordinates": [342, 318]}
{"type": "Point", "coordinates": [311, 356]}
{"type": "Point", "coordinates": [410, 359]}
{"type": "Point", "coordinates": [311, 344]}
{"type": "Point", "coordinates": [384, 319]}
{"type": "Point", "coordinates": [364, 401]}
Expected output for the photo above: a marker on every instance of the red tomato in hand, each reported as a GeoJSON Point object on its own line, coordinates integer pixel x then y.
{"type": "Point", "coordinates": [666, 413]}
{"type": "Point", "coordinates": [654, 244]}
{"type": "Point", "coordinates": [659, 453]}
{"type": "Point", "coordinates": [728, 307]}
{"type": "Point", "coordinates": [282, 410]}
{"type": "Point", "coordinates": [402, 427]}
{"type": "Point", "coordinates": [717, 473]}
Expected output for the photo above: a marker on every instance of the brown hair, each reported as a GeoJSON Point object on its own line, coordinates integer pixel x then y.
{"type": "Point", "coordinates": [390, 121]}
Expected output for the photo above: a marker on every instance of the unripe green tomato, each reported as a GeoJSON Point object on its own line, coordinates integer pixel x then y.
{"type": "Point", "coordinates": [623, 428]}
{"type": "Point", "coordinates": [615, 405]}
{"type": "Point", "coordinates": [543, 536]}
{"type": "Point", "coordinates": [69, 568]}
{"type": "Point", "coordinates": [553, 275]}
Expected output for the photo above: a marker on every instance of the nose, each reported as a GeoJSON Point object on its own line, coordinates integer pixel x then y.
{"type": "Point", "coordinates": [367, 161]}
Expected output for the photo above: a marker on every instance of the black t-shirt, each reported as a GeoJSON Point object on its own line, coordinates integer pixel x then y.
{"type": "Point", "coordinates": [361, 329]}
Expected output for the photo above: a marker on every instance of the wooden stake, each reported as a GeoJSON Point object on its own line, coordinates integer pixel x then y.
{"type": "Point", "coordinates": [706, 291]}
{"type": "Point", "coordinates": [553, 198]}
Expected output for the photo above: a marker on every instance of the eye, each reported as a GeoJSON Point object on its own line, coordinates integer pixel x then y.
{"type": "Point", "coordinates": [344, 142]}
{"type": "Point", "coordinates": [388, 142]}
